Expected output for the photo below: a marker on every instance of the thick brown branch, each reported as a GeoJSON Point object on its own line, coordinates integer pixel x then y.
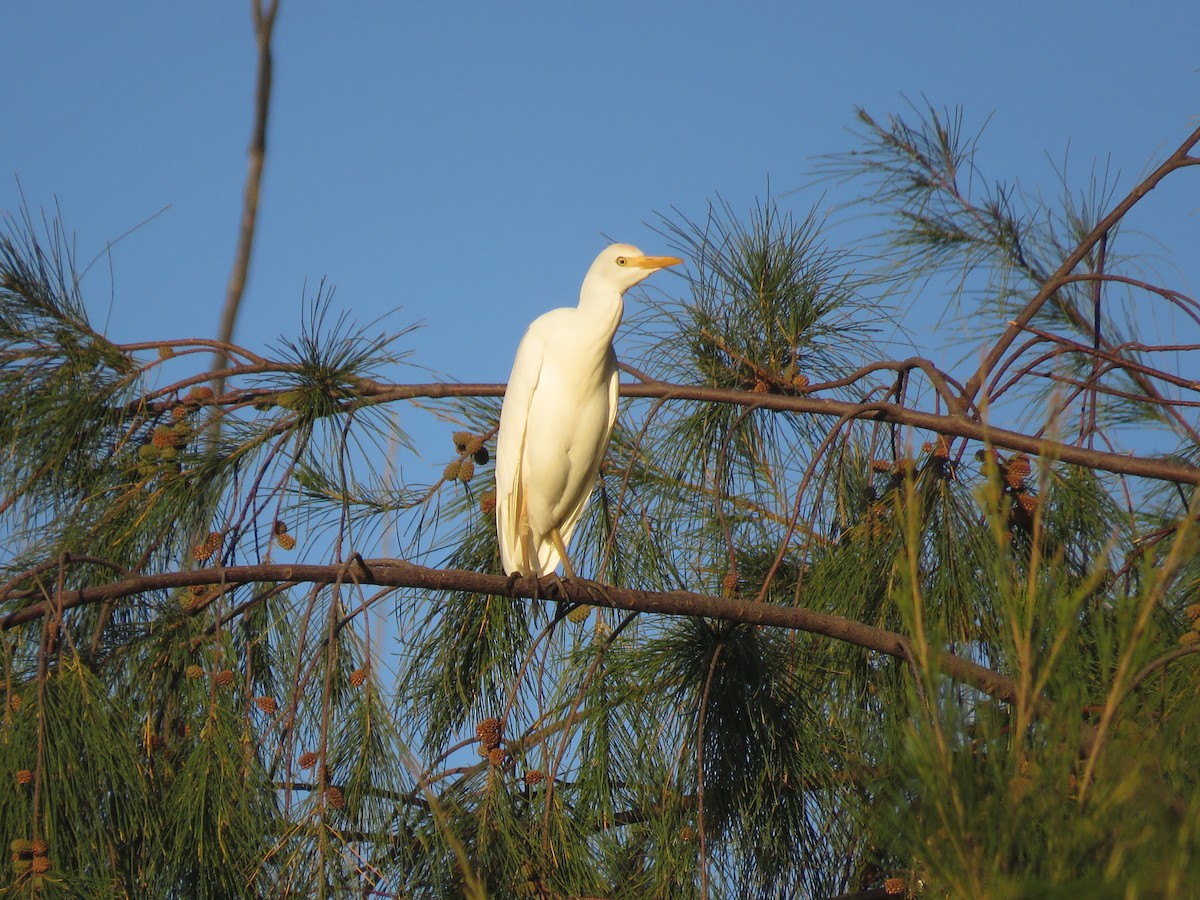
{"type": "Point", "coordinates": [396, 573]}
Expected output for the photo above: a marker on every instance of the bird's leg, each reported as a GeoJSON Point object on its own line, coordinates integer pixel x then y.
{"type": "Point", "coordinates": [525, 536]}
{"type": "Point", "coordinates": [562, 553]}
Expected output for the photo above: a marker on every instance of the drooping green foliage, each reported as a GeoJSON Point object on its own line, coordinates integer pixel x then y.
{"type": "Point", "coordinates": [988, 688]}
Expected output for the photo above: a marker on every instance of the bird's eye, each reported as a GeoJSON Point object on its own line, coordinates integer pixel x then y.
{"type": "Point", "coordinates": [621, 260]}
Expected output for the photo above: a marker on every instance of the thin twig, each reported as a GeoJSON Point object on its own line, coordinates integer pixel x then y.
{"type": "Point", "coordinates": [264, 24]}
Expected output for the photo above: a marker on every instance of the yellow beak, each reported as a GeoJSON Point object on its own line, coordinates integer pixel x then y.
{"type": "Point", "coordinates": [654, 262]}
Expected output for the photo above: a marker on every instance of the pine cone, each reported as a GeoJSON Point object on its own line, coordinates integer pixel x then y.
{"type": "Point", "coordinates": [335, 797]}
{"type": "Point", "coordinates": [225, 677]}
{"type": "Point", "coordinates": [498, 757]}
{"type": "Point", "coordinates": [1016, 470]}
{"type": "Point", "coordinates": [579, 614]}
{"type": "Point", "coordinates": [894, 886]}
{"type": "Point", "coordinates": [533, 776]}
{"type": "Point", "coordinates": [162, 437]}
{"type": "Point", "coordinates": [358, 677]}
{"type": "Point", "coordinates": [24, 776]}
{"type": "Point", "coordinates": [307, 760]}
{"type": "Point", "coordinates": [211, 545]}
{"type": "Point", "coordinates": [38, 847]}
{"type": "Point", "coordinates": [41, 865]}
{"type": "Point", "coordinates": [286, 541]}
{"type": "Point", "coordinates": [279, 527]}
{"type": "Point", "coordinates": [194, 671]}
{"type": "Point", "coordinates": [489, 732]}
{"type": "Point", "coordinates": [487, 502]}
{"type": "Point", "coordinates": [266, 704]}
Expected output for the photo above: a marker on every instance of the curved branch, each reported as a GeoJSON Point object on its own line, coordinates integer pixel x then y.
{"type": "Point", "coordinates": [1177, 160]}
{"type": "Point", "coordinates": [398, 573]}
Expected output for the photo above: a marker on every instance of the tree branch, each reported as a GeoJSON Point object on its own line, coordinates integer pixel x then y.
{"type": "Point", "coordinates": [400, 574]}
{"type": "Point", "coordinates": [1177, 160]}
{"type": "Point", "coordinates": [264, 24]}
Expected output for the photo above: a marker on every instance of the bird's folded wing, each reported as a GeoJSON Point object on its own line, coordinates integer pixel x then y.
{"type": "Point", "coordinates": [510, 449]}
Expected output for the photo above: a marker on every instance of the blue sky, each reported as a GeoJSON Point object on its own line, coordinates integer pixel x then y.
{"type": "Point", "coordinates": [463, 162]}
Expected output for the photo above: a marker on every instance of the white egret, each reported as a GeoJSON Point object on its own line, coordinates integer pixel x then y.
{"type": "Point", "coordinates": [558, 414]}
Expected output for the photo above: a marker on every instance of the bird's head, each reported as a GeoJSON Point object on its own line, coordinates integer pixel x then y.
{"type": "Point", "coordinates": [621, 266]}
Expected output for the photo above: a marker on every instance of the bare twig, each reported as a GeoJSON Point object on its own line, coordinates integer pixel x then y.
{"type": "Point", "coordinates": [264, 24]}
{"type": "Point", "coordinates": [1050, 287]}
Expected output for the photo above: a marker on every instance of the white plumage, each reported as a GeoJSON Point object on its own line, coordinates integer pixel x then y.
{"type": "Point", "coordinates": [558, 414]}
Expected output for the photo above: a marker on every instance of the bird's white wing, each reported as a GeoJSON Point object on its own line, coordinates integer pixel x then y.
{"type": "Point", "coordinates": [510, 448]}
{"type": "Point", "coordinates": [572, 519]}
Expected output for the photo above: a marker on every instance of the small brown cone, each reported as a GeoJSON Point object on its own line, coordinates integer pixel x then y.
{"type": "Point", "coordinates": [38, 847]}
{"type": "Point", "coordinates": [194, 671]}
{"type": "Point", "coordinates": [266, 704]}
{"type": "Point", "coordinates": [489, 733]}
{"type": "Point", "coordinates": [579, 614]}
{"type": "Point", "coordinates": [211, 545]}
{"type": "Point", "coordinates": [533, 776]}
{"type": "Point", "coordinates": [358, 677]}
{"type": "Point", "coordinates": [940, 449]}
{"type": "Point", "coordinates": [279, 527]}
{"type": "Point", "coordinates": [498, 757]}
{"type": "Point", "coordinates": [894, 887]}
{"type": "Point", "coordinates": [225, 677]}
{"type": "Point", "coordinates": [881, 465]}
{"type": "Point", "coordinates": [335, 797]}
{"type": "Point", "coordinates": [1016, 470]}
{"type": "Point", "coordinates": [1028, 502]}
{"type": "Point", "coordinates": [487, 502]}
{"type": "Point", "coordinates": [307, 759]}
{"type": "Point", "coordinates": [286, 541]}
{"type": "Point", "coordinates": [162, 437]}
{"type": "Point", "coordinates": [24, 776]}
{"type": "Point", "coordinates": [41, 865]}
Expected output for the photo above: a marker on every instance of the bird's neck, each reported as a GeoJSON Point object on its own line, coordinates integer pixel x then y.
{"type": "Point", "coordinates": [604, 308]}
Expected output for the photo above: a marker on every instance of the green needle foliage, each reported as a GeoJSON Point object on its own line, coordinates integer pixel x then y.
{"type": "Point", "coordinates": [254, 644]}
